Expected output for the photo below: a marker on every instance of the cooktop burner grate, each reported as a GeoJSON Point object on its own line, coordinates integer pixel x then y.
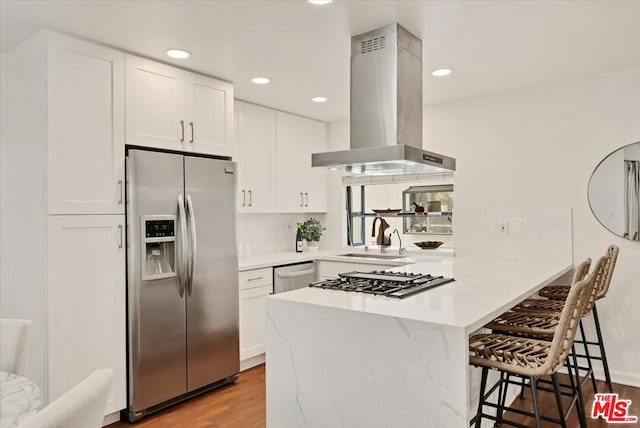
{"type": "Point", "coordinates": [390, 284]}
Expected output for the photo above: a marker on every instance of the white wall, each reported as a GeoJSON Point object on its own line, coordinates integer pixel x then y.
{"type": "Point", "coordinates": [536, 148]}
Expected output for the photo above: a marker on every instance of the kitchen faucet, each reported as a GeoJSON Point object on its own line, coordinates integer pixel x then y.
{"type": "Point", "coordinates": [400, 248]}
{"type": "Point", "coordinates": [381, 239]}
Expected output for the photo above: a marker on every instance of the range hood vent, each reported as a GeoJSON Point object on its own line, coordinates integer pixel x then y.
{"type": "Point", "coordinates": [386, 108]}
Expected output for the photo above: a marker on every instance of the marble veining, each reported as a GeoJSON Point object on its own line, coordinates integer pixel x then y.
{"type": "Point", "coordinates": [339, 359]}
{"type": "Point", "coordinates": [19, 398]}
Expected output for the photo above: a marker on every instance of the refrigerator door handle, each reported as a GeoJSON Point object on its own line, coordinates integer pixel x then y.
{"type": "Point", "coordinates": [194, 245]}
{"type": "Point", "coordinates": [182, 269]}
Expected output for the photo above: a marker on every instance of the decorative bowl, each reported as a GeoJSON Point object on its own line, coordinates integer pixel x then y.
{"type": "Point", "coordinates": [388, 211]}
{"type": "Point", "coordinates": [429, 245]}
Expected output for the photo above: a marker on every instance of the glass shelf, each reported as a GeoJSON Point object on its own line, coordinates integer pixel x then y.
{"type": "Point", "coordinates": [429, 222]}
{"type": "Point", "coordinates": [408, 214]}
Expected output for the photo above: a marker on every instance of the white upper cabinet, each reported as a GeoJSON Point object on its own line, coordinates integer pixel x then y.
{"type": "Point", "coordinates": [86, 128]}
{"type": "Point", "coordinates": [255, 148]}
{"type": "Point", "coordinates": [300, 188]}
{"type": "Point", "coordinates": [154, 104]}
{"type": "Point", "coordinates": [170, 108]}
{"type": "Point", "coordinates": [209, 112]}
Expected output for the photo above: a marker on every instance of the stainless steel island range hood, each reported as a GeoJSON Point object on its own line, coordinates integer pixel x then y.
{"type": "Point", "coordinates": [386, 108]}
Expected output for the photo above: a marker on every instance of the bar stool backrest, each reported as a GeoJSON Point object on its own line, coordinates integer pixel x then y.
{"type": "Point", "coordinates": [569, 321]}
{"type": "Point", "coordinates": [600, 272]}
{"type": "Point", "coordinates": [581, 271]}
{"type": "Point", "coordinates": [612, 256]}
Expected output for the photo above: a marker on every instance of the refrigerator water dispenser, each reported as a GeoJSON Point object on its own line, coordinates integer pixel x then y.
{"type": "Point", "coordinates": [159, 254]}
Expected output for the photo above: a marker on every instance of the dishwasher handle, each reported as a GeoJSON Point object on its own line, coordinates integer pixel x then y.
{"type": "Point", "coordinates": [296, 273]}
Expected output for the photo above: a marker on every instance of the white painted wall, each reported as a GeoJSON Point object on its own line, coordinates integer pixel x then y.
{"type": "Point", "coordinates": [537, 148]}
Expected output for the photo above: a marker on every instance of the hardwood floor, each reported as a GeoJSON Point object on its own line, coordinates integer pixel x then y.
{"type": "Point", "coordinates": [242, 405]}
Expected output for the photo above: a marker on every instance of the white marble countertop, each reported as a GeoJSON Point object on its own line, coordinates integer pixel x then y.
{"type": "Point", "coordinates": [19, 398]}
{"type": "Point", "coordinates": [283, 258]}
{"type": "Point", "coordinates": [483, 289]}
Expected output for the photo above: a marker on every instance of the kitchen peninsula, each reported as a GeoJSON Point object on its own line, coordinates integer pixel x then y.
{"type": "Point", "coordinates": [338, 358]}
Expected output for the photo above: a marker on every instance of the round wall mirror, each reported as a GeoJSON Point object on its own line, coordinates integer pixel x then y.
{"type": "Point", "coordinates": [614, 192]}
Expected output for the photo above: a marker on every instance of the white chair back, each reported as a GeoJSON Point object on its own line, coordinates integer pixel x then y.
{"type": "Point", "coordinates": [14, 340]}
{"type": "Point", "coordinates": [80, 407]}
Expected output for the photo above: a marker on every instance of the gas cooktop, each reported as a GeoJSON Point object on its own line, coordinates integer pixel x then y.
{"type": "Point", "coordinates": [389, 284]}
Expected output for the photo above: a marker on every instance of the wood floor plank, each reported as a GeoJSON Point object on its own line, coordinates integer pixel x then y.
{"type": "Point", "coordinates": [243, 405]}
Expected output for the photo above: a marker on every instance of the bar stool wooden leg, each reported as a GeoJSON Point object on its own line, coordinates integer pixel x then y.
{"type": "Point", "coordinates": [483, 385]}
{"type": "Point", "coordinates": [534, 398]}
{"type": "Point", "coordinates": [603, 354]}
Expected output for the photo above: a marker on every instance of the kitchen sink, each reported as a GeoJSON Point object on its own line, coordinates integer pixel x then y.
{"type": "Point", "coordinates": [374, 256]}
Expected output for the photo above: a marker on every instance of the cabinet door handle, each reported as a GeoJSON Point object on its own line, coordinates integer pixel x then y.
{"type": "Point", "coordinates": [250, 199]}
{"type": "Point", "coordinates": [301, 199]}
{"type": "Point", "coordinates": [120, 229]}
{"type": "Point", "coordinates": [120, 192]}
{"type": "Point", "coordinates": [192, 137]}
{"type": "Point", "coordinates": [306, 204]}
{"type": "Point", "coordinates": [255, 279]}
{"type": "Point", "coordinates": [182, 131]}
{"type": "Point", "coordinates": [244, 198]}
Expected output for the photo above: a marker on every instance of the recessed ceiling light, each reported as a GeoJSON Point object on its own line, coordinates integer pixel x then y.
{"type": "Point", "coordinates": [320, 2]}
{"type": "Point", "coordinates": [261, 80]}
{"type": "Point", "coordinates": [319, 99]}
{"type": "Point", "coordinates": [178, 53]}
{"type": "Point", "coordinates": [441, 72]}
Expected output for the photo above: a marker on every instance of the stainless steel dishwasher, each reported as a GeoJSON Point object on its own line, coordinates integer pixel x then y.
{"type": "Point", "coordinates": [291, 277]}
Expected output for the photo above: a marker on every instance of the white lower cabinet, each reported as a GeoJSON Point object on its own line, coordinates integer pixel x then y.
{"type": "Point", "coordinates": [255, 286]}
{"type": "Point", "coordinates": [86, 303]}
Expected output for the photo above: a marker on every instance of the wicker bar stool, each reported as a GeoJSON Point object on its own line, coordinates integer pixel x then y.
{"type": "Point", "coordinates": [542, 324]}
{"type": "Point", "coordinates": [556, 302]}
{"type": "Point", "coordinates": [532, 358]}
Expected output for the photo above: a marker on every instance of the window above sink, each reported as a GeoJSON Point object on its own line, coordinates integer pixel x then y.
{"type": "Point", "coordinates": [419, 211]}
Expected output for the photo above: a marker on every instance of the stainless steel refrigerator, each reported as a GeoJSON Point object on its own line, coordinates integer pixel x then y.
{"type": "Point", "coordinates": [182, 277]}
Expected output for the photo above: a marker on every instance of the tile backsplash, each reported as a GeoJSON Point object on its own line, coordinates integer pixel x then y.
{"type": "Point", "coordinates": [269, 233]}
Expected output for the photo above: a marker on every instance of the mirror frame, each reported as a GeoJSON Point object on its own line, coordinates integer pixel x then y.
{"type": "Point", "coordinates": [589, 187]}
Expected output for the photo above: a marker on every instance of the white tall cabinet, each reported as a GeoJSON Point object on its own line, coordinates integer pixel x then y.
{"type": "Point", "coordinates": [300, 187]}
{"type": "Point", "coordinates": [255, 154]}
{"type": "Point", "coordinates": [174, 109]}
{"type": "Point", "coordinates": [63, 222]}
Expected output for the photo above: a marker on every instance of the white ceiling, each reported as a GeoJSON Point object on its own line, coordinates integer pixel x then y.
{"type": "Point", "coordinates": [493, 46]}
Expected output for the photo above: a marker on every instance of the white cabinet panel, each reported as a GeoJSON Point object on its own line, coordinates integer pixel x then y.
{"type": "Point", "coordinates": [86, 123]}
{"type": "Point", "coordinates": [209, 113]}
{"type": "Point", "coordinates": [170, 108]}
{"type": "Point", "coordinates": [86, 302]}
{"type": "Point", "coordinates": [252, 321]}
{"type": "Point", "coordinates": [255, 278]}
{"type": "Point", "coordinates": [314, 180]}
{"type": "Point", "coordinates": [154, 104]}
{"type": "Point", "coordinates": [255, 146]}
{"type": "Point", "coordinates": [300, 188]}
